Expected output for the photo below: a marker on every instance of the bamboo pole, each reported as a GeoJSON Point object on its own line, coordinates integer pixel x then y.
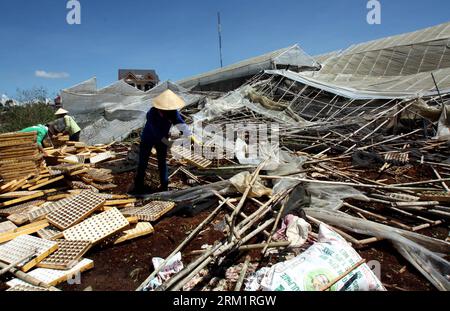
{"type": "Point", "coordinates": [387, 187]}
{"type": "Point", "coordinates": [275, 226]}
{"type": "Point", "coordinates": [242, 275]}
{"type": "Point", "coordinates": [25, 277]}
{"type": "Point", "coordinates": [244, 197]}
{"type": "Point", "coordinates": [178, 278]}
{"type": "Point", "coordinates": [232, 208]}
{"type": "Point", "coordinates": [251, 247]}
{"type": "Point", "coordinates": [439, 176]}
{"type": "Point", "coordinates": [347, 272]}
{"type": "Point", "coordinates": [15, 264]}
{"type": "Point", "coordinates": [195, 267]}
{"type": "Point", "coordinates": [183, 244]}
{"type": "Point", "coordinates": [389, 140]}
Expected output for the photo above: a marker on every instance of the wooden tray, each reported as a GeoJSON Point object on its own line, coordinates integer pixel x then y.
{"type": "Point", "coordinates": [54, 277]}
{"type": "Point", "coordinates": [97, 228]}
{"type": "Point", "coordinates": [24, 245]}
{"type": "Point", "coordinates": [153, 210]}
{"type": "Point", "coordinates": [67, 256]}
{"type": "Point", "coordinates": [50, 233]}
{"type": "Point", "coordinates": [75, 210]}
{"type": "Point", "coordinates": [190, 157]}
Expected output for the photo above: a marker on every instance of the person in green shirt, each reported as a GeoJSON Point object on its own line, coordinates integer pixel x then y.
{"type": "Point", "coordinates": [41, 134]}
{"type": "Point", "coordinates": [68, 125]}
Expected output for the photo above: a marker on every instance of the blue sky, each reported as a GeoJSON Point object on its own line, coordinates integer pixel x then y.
{"type": "Point", "coordinates": [179, 38]}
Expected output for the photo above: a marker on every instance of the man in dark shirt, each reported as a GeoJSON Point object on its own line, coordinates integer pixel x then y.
{"type": "Point", "coordinates": [160, 119]}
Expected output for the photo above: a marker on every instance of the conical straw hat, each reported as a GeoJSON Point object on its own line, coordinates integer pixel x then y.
{"type": "Point", "coordinates": [61, 111]}
{"type": "Point", "coordinates": [168, 100]}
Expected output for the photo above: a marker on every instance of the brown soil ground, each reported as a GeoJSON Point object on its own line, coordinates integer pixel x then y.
{"type": "Point", "coordinates": [124, 267]}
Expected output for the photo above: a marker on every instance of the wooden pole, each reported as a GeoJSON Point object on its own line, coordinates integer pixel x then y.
{"type": "Point", "coordinates": [244, 197]}
{"type": "Point", "coordinates": [242, 275]}
{"type": "Point", "coordinates": [392, 187]}
{"type": "Point", "coordinates": [347, 272]}
{"type": "Point", "coordinates": [15, 264]}
{"type": "Point", "coordinates": [25, 277]}
{"type": "Point", "coordinates": [183, 244]}
{"type": "Point", "coordinates": [251, 247]}
{"type": "Point", "coordinates": [439, 176]}
{"type": "Point", "coordinates": [275, 226]}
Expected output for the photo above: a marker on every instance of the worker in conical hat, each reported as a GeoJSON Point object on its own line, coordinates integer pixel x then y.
{"type": "Point", "coordinates": [161, 117]}
{"type": "Point", "coordinates": [67, 125]}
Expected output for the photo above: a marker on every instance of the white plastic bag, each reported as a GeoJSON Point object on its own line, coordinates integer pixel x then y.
{"type": "Point", "coordinates": [295, 230]}
{"type": "Point", "coordinates": [173, 266]}
{"type": "Point", "coordinates": [242, 180]}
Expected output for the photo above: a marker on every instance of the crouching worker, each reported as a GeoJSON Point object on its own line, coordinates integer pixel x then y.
{"type": "Point", "coordinates": [160, 119]}
{"type": "Point", "coordinates": [66, 124]}
{"type": "Point", "coordinates": [42, 136]}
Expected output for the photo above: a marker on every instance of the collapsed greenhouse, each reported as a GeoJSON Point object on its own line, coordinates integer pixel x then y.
{"type": "Point", "coordinates": [360, 149]}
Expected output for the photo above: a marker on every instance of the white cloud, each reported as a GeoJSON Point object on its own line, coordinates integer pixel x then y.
{"type": "Point", "coordinates": [51, 75]}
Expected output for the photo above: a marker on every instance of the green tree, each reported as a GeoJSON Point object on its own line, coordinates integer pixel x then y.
{"type": "Point", "coordinates": [22, 116]}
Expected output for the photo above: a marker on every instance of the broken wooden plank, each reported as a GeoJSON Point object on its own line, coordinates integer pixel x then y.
{"type": "Point", "coordinates": [23, 199]}
{"type": "Point", "coordinates": [119, 202]}
{"type": "Point", "coordinates": [51, 181]}
{"type": "Point", "coordinates": [28, 229]}
{"type": "Point", "coordinates": [141, 229]}
{"type": "Point", "coordinates": [17, 194]}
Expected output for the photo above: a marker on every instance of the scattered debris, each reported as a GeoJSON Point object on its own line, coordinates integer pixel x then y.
{"type": "Point", "coordinates": [356, 170]}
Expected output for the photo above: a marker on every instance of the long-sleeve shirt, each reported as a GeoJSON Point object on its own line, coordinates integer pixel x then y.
{"type": "Point", "coordinates": [158, 126]}
{"type": "Point", "coordinates": [41, 131]}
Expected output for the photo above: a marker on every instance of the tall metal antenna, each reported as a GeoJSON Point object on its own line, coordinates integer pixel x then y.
{"type": "Point", "coordinates": [219, 28]}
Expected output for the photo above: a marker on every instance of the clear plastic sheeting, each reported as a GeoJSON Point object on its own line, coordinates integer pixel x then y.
{"type": "Point", "coordinates": [242, 181]}
{"type": "Point", "coordinates": [263, 151]}
{"type": "Point", "coordinates": [238, 99]}
{"type": "Point", "coordinates": [331, 197]}
{"type": "Point", "coordinates": [363, 87]}
{"type": "Point", "coordinates": [112, 113]}
{"type": "Point", "coordinates": [291, 56]}
{"type": "Point", "coordinates": [85, 98]}
{"type": "Point", "coordinates": [423, 252]}
{"type": "Point", "coordinates": [288, 164]}
{"type": "Point", "coordinates": [393, 67]}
